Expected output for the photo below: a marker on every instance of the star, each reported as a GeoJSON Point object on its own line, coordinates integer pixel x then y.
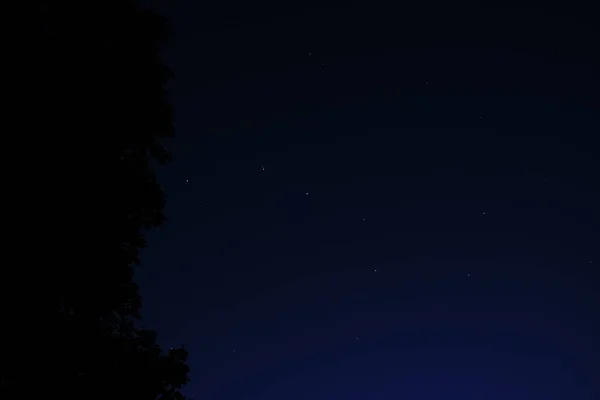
{"type": "Point", "coordinates": [187, 181]}
{"type": "Point", "coordinates": [468, 274]}
{"type": "Point", "coordinates": [306, 194]}
{"type": "Point", "coordinates": [374, 270]}
{"type": "Point", "coordinates": [483, 213]}
{"type": "Point", "coordinates": [262, 167]}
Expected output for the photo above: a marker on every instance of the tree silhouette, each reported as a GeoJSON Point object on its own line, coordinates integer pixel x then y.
{"type": "Point", "coordinates": [96, 91]}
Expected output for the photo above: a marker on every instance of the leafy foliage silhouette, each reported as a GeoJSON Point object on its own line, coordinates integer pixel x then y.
{"type": "Point", "coordinates": [97, 90]}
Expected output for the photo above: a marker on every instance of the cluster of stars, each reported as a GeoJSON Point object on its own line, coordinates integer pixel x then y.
{"type": "Point", "coordinates": [363, 219]}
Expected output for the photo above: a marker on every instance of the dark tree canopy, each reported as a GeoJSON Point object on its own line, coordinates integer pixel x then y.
{"type": "Point", "coordinates": [96, 94]}
{"type": "Point", "coordinates": [101, 82]}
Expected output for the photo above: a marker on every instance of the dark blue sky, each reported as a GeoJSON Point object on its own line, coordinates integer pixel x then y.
{"type": "Point", "coordinates": [381, 204]}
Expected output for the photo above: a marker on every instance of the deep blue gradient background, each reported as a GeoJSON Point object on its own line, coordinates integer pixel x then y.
{"type": "Point", "coordinates": [448, 244]}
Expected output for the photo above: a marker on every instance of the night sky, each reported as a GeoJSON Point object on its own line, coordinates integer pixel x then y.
{"type": "Point", "coordinates": [371, 203]}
